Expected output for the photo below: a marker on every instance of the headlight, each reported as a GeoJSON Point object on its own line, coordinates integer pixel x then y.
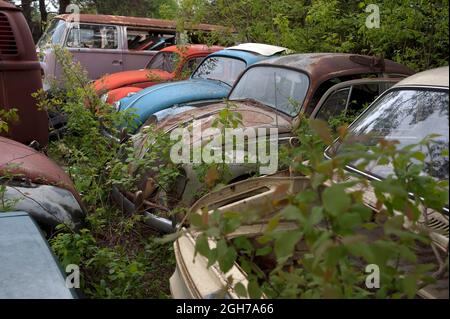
{"type": "Point", "coordinates": [104, 98]}
{"type": "Point", "coordinates": [117, 106]}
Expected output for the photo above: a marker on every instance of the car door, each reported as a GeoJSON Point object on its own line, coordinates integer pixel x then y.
{"type": "Point", "coordinates": [343, 102]}
{"type": "Point", "coordinates": [97, 47]}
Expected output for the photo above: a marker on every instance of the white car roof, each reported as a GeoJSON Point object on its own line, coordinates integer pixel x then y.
{"type": "Point", "coordinates": [260, 48]}
{"type": "Point", "coordinates": [433, 77]}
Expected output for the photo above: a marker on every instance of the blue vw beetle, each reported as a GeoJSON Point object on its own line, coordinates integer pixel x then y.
{"type": "Point", "coordinates": [211, 81]}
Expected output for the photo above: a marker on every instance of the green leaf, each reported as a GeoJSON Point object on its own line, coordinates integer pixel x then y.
{"type": "Point", "coordinates": [227, 260]}
{"type": "Point", "coordinates": [254, 290]}
{"type": "Point", "coordinates": [263, 251]}
{"type": "Point", "coordinates": [322, 130]}
{"type": "Point", "coordinates": [335, 200]}
{"type": "Point", "coordinates": [409, 284]}
{"type": "Point", "coordinates": [291, 212]}
{"type": "Point", "coordinates": [196, 220]}
{"type": "Point", "coordinates": [202, 246]}
{"type": "Point", "coordinates": [285, 244]}
{"type": "Point", "coordinates": [316, 215]}
{"type": "Point", "coordinates": [240, 290]}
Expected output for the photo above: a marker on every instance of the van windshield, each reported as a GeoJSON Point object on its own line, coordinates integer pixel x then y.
{"type": "Point", "coordinates": [53, 34]}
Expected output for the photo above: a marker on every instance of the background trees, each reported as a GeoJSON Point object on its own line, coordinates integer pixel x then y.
{"type": "Point", "coordinates": [414, 32]}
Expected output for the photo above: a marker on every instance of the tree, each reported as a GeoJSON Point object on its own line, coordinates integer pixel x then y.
{"type": "Point", "coordinates": [63, 5]}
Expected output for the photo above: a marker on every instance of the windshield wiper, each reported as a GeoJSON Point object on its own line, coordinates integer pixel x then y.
{"type": "Point", "coordinates": [219, 81]}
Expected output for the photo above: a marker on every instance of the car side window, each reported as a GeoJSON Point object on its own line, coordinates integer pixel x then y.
{"type": "Point", "coordinates": [350, 101]}
{"type": "Point", "coordinates": [335, 104]}
{"type": "Point", "coordinates": [93, 37]}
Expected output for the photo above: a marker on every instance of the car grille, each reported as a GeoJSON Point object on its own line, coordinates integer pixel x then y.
{"type": "Point", "coordinates": [8, 45]}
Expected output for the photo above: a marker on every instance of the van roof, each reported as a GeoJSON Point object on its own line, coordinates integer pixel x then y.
{"type": "Point", "coordinates": [137, 22]}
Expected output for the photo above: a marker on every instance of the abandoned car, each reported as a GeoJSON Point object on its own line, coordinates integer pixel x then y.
{"type": "Point", "coordinates": [28, 268]}
{"type": "Point", "coordinates": [108, 44]}
{"type": "Point", "coordinates": [306, 84]}
{"type": "Point", "coordinates": [175, 62]}
{"type": "Point", "coordinates": [408, 112]}
{"type": "Point", "coordinates": [32, 183]}
{"type": "Point", "coordinates": [211, 81]}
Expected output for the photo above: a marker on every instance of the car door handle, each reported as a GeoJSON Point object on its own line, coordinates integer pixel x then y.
{"type": "Point", "coordinates": [117, 62]}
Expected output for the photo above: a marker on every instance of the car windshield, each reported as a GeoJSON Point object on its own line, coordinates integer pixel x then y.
{"type": "Point", "coordinates": [166, 61]}
{"type": "Point", "coordinates": [280, 88]}
{"type": "Point", "coordinates": [53, 34]}
{"type": "Point", "coordinates": [223, 69]}
{"type": "Point", "coordinates": [407, 116]}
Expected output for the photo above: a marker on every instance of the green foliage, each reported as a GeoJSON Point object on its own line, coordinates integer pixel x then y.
{"type": "Point", "coordinates": [116, 253]}
{"type": "Point", "coordinates": [7, 176]}
{"type": "Point", "coordinates": [217, 174]}
{"type": "Point", "coordinates": [136, 8]}
{"type": "Point", "coordinates": [414, 33]}
{"type": "Point", "coordinates": [7, 117]}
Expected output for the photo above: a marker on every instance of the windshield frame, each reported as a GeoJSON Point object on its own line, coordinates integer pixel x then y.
{"type": "Point", "coordinates": [59, 23]}
{"type": "Point", "coordinates": [257, 65]}
{"type": "Point", "coordinates": [220, 56]}
{"type": "Point", "coordinates": [367, 174]}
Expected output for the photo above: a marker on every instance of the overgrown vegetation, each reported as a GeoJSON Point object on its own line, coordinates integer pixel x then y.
{"type": "Point", "coordinates": [334, 235]}
{"type": "Point", "coordinates": [411, 32]}
{"type": "Point", "coordinates": [119, 256]}
{"type": "Point", "coordinates": [116, 252]}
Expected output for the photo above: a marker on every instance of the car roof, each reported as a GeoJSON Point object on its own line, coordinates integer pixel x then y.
{"type": "Point", "coordinates": [433, 77]}
{"type": "Point", "coordinates": [260, 48]}
{"type": "Point", "coordinates": [136, 22]}
{"type": "Point", "coordinates": [191, 49]}
{"type": "Point", "coordinates": [318, 65]}
{"type": "Point", "coordinates": [248, 57]}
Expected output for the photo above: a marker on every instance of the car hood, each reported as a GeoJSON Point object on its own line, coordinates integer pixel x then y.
{"type": "Point", "coordinates": [163, 96]}
{"type": "Point", "coordinates": [18, 159]}
{"type": "Point", "coordinates": [117, 80]}
{"type": "Point", "coordinates": [253, 115]}
{"type": "Point", "coordinates": [268, 195]}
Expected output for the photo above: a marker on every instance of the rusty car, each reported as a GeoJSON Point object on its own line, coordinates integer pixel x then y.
{"type": "Point", "coordinates": [408, 112]}
{"type": "Point", "coordinates": [175, 62]}
{"type": "Point", "coordinates": [20, 71]}
{"type": "Point", "coordinates": [308, 87]}
{"type": "Point", "coordinates": [32, 183]}
{"type": "Point", "coordinates": [109, 44]}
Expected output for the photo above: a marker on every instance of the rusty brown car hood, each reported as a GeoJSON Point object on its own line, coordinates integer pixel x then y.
{"type": "Point", "coordinates": [253, 114]}
{"type": "Point", "coordinates": [18, 159]}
